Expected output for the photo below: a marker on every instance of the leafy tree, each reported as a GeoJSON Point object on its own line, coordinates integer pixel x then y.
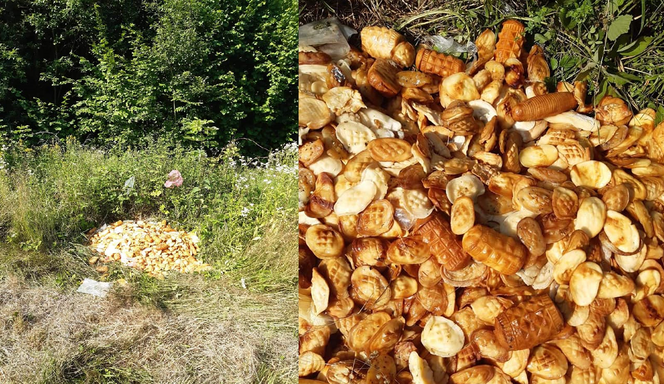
{"type": "Point", "coordinates": [121, 72]}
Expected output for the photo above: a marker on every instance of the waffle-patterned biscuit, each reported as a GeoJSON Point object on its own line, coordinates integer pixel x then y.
{"type": "Point", "coordinates": [311, 151]}
{"type": "Point", "coordinates": [442, 337]}
{"type": "Point", "coordinates": [408, 250]}
{"type": "Point", "coordinates": [376, 219]}
{"type": "Point", "coordinates": [444, 244]}
{"type": "Point", "coordinates": [387, 149]}
{"type": "Point", "coordinates": [417, 203]}
{"type": "Point", "coordinates": [354, 136]}
{"type": "Point", "coordinates": [548, 362]}
{"type": "Point", "coordinates": [324, 241]}
{"type": "Point", "coordinates": [369, 287]}
{"type": "Point", "coordinates": [494, 249]}
{"type": "Point", "coordinates": [384, 43]}
{"type": "Point", "coordinates": [564, 202]}
{"type": "Point", "coordinates": [573, 152]}
{"type": "Point", "coordinates": [383, 77]}
{"type": "Point", "coordinates": [475, 375]}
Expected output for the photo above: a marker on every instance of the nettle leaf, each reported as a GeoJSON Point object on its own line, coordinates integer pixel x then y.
{"type": "Point", "coordinates": [636, 47]}
{"type": "Point", "coordinates": [619, 26]}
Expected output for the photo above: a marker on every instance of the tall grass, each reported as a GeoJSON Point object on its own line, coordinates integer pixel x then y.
{"type": "Point", "coordinates": [242, 209]}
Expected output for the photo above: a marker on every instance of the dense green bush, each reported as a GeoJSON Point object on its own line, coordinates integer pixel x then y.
{"type": "Point", "coordinates": [109, 72]}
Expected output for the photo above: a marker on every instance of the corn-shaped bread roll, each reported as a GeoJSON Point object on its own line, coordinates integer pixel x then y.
{"type": "Point", "coordinates": [534, 321]}
{"type": "Point", "coordinates": [444, 245]}
{"type": "Point", "coordinates": [498, 251]}
{"type": "Point", "coordinates": [384, 43]}
{"type": "Point", "coordinates": [510, 41]}
{"type": "Point", "coordinates": [538, 67]}
{"type": "Point", "coordinates": [440, 64]}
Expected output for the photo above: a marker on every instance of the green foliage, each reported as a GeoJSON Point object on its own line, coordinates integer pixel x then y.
{"type": "Point", "coordinates": [196, 72]}
{"type": "Point", "coordinates": [618, 27]}
{"type": "Point", "coordinates": [241, 208]}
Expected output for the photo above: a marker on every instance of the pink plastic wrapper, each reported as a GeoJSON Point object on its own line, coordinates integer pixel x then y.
{"type": "Point", "coordinates": [174, 179]}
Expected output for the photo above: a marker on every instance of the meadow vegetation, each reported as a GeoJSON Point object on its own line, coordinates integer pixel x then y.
{"type": "Point", "coordinates": [99, 102]}
{"type": "Point", "coordinates": [180, 329]}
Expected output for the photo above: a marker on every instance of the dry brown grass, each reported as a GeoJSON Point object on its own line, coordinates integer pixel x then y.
{"type": "Point", "coordinates": [413, 18]}
{"type": "Point", "coordinates": [209, 334]}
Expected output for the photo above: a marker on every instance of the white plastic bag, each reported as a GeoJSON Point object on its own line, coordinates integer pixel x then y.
{"type": "Point", "coordinates": [328, 36]}
{"type": "Point", "coordinates": [129, 184]}
{"type": "Point", "coordinates": [95, 288]}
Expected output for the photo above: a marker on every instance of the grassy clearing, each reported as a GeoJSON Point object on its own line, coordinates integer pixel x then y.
{"type": "Point", "coordinates": [574, 34]}
{"type": "Point", "coordinates": [183, 329]}
{"type": "Point", "coordinates": [241, 208]}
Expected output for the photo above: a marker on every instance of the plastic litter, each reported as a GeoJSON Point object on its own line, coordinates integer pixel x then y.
{"type": "Point", "coordinates": [174, 179]}
{"type": "Point", "coordinates": [449, 45]}
{"type": "Point", "coordinates": [327, 35]}
{"type": "Point", "coordinates": [95, 288]}
{"type": "Point", "coordinates": [129, 184]}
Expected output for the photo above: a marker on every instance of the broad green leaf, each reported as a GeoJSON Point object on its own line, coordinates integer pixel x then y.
{"type": "Point", "coordinates": [622, 78]}
{"type": "Point", "coordinates": [619, 26]}
{"type": "Point", "coordinates": [611, 91]}
{"type": "Point", "coordinates": [659, 117]}
{"type": "Point", "coordinates": [613, 6]}
{"type": "Point", "coordinates": [566, 21]}
{"type": "Point", "coordinates": [599, 52]}
{"type": "Point", "coordinates": [603, 86]}
{"type": "Point", "coordinates": [638, 46]}
{"type": "Point", "coordinates": [567, 62]}
{"type": "Point", "coordinates": [622, 41]}
{"type": "Point", "coordinates": [585, 72]}
{"type": "Point", "coordinates": [631, 77]}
